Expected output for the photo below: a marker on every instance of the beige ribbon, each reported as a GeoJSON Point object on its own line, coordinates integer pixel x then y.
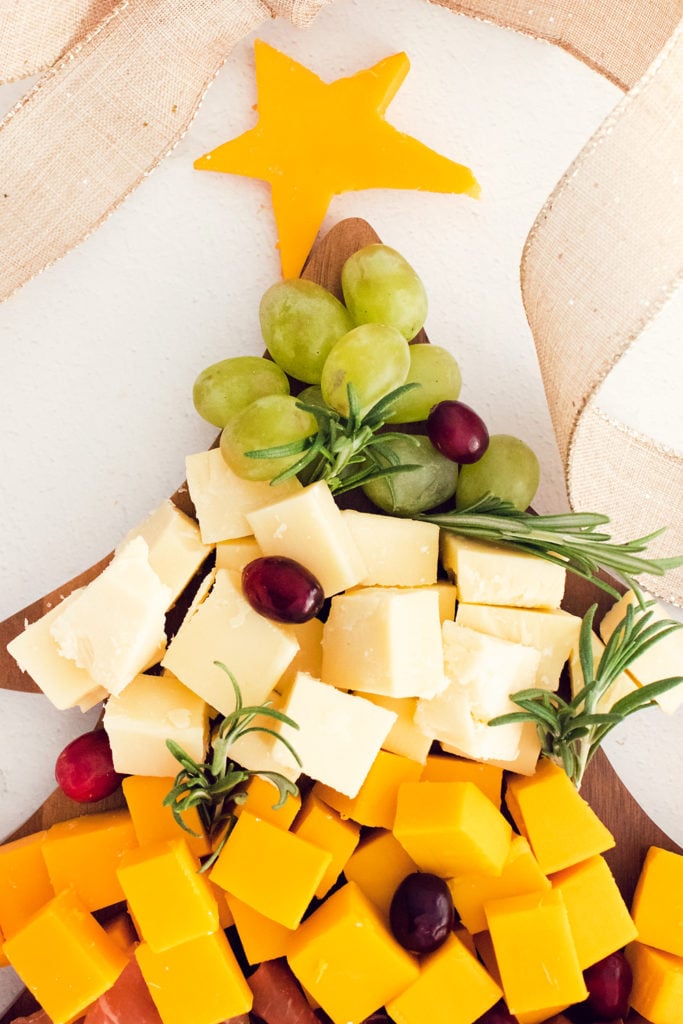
{"type": "Point", "coordinates": [124, 81]}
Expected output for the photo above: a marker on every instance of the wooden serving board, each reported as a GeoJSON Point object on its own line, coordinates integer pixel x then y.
{"type": "Point", "coordinates": [632, 828]}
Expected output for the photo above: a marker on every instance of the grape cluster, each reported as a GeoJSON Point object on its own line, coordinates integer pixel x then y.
{"type": "Point", "coordinates": [361, 373]}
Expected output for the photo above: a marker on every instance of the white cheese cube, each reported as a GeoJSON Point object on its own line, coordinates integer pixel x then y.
{"type": "Point", "coordinates": [621, 687]}
{"type": "Point", "coordinates": [482, 671]}
{"type": "Point", "coordinates": [310, 528]}
{"type": "Point", "coordinates": [222, 499]}
{"type": "Point", "coordinates": [114, 628]}
{"type": "Point", "coordinates": [486, 574]}
{"type": "Point", "coordinates": [553, 633]}
{"type": "Point", "coordinates": [405, 737]}
{"type": "Point", "coordinates": [151, 710]}
{"type": "Point", "coordinates": [261, 751]}
{"type": "Point", "coordinates": [661, 661]}
{"type": "Point", "coordinates": [339, 734]}
{"type": "Point", "coordinates": [385, 640]}
{"type": "Point", "coordinates": [527, 757]}
{"type": "Point", "coordinates": [447, 594]}
{"type": "Point", "coordinates": [175, 546]}
{"type": "Point", "coordinates": [61, 680]}
{"type": "Point", "coordinates": [396, 552]}
{"type": "Point", "coordinates": [309, 657]}
{"type": "Point", "coordinates": [235, 554]}
{"type": "Point", "coordinates": [225, 628]}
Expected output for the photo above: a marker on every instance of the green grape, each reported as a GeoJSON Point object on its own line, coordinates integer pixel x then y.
{"type": "Point", "coordinates": [267, 422]}
{"type": "Point", "coordinates": [372, 357]}
{"type": "Point", "coordinates": [300, 322]}
{"type": "Point", "coordinates": [416, 490]}
{"type": "Point", "coordinates": [225, 388]}
{"type": "Point", "coordinates": [508, 469]}
{"type": "Point", "coordinates": [436, 370]}
{"type": "Point", "coordinates": [380, 287]}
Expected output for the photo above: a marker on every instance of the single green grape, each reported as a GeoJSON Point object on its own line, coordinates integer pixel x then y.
{"type": "Point", "coordinates": [300, 322]}
{"type": "Point", "coordinates": [225, 388]}
{"type": "Point", "coordinates": [267, 422]}
{"type": "Point", "coordinates": [508, 469]}
{"type": "Point", "coordinates": [437, 373]}
{"type": "Point", "coordinates": [372, 357]}
{"type": "Point", "coordinates": [381, 287]}
{"type": "Point", "coordinates": [416, 490]}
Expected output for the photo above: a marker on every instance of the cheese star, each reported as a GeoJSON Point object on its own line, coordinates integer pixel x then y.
{"type": "Point", "coordinates": [314, 140]}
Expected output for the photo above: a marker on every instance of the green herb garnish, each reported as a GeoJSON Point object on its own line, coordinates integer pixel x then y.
{"type": "Point", "coordinates": [571, 731]}
{"type": "Point", "coordinates": [213, 786]}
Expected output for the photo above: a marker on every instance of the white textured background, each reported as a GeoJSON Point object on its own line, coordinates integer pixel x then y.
{"type": "Point", "coordinates": [99, 352]}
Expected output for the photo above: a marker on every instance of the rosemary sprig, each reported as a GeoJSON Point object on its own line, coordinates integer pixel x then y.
{"type": "Point", "coordinates": [572, 540]}
{"type": "Point", "coordinates": [213, 786]}
{"type": "Point", "coordinates": [346, 451]}
{"type": "Point", "coordinates": [571, 731]}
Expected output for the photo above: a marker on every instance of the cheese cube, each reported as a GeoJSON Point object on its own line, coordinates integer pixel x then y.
{"type": "Point", "coordinates": [121, 930]}
{"type": "Point", "coordinates": [396, 552]}
{"type": "Point", "coordinates": [378, 866]}
{"type": "Point", "coordinates": [338, 737]}
{"type": "Point", "coordinates": [451, 828]}
{"type": "Point", "coordinates": [24, 882]}
{"type": "Point", "coordinates": [309, 527]}
{"type": "Point", "coordinates": [323, 827]}
{"type": "Point", "coordinates": [151, 710]}
{"type": "Point", "coordinates": [560, 826]}
{"type": "Point", "coordinates": [484, 949]}
{"type": "Point", "coordinates": [223, 500]}
{"type": "Point", "coordinates": [222, 994]}
{"type": "Point", "coordinates": [658, 901]}
{"type": "Point", "coordinates": [448, 596]}
{"type": "Point", "coordinates": [256, 858]}
{"type": "Point", "coordinates": [554, 634]}
{"type": "Point", "coordinates": [584, 887]}
{"type": "Point", "coordinates": [482, 672]}
{"type": "Point", "coordinates": [405, 736]}
{"type": "Point", "coordinates": [527, 756]}
{"type": "Point", "coordinates": [375, 803]}
{"type": "Point", "coordinates": [84, 853]}
{"type": "Point", "coordinates": [621, 687]}
{"type": "Point", "coordinates": [346, 958]}
{"type": "Point", "coordinates": [65, 958]}
{"type": "Point", "coordinates": [225, 628]}
{"type": "Point", "coordinates": [453, 988]}
{"type": "Point", "coordinates": [661, 661]}
{"type": "Point", "coordinates": [262, 799]}
{"type": "Point", "coordinates": [535, 952]}
{"type": "Point", "coordinates": [261, 938]}
{"type": "Point", "coordinates": [487, 777]}
{"type": "Point", "coordinates": [486, 574]}
{"type": "Point", "coordinates": [261, 751]}
{"type": "Point", "coordinates": [153, 822]}
{"type": "Point", "coordinates": [115, 625]}
{"type": "Point", "coordinates": [657, 991]}
{"type": "Point", "coordinates": [235, 554]}
{"type": "Point", "coordinates": [168, 898]}
{"type": "Point", "coordinates": [309, 657]}
{"type": "Point", "coordinates": [175, 547]}
{"type": "Point", "coordinates": [385, 640]}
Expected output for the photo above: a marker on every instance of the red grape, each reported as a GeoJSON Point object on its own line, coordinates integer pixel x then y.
{"type": "Point", "coordinates": [421, 913]}
{"type": "Point", "coordinates": [457, 431]}
{"type": "Point", "coordinates": [280, 588]}
{"type": "Point", "coordinates": [85, 770]}
{"type": "Point", "coordinates": [609, 984]}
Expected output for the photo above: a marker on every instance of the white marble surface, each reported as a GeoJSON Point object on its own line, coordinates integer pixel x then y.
{"type": "Point", "coordinates": [100, 351]}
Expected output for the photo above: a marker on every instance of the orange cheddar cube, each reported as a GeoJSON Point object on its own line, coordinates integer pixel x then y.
{"type": "Point", "coordinates": [560, 826]}
{"type": "Point", "coordinates": [657, 991]}
{"type": "Point", "coordinates": [375, 802]}
{"type": "Point", "coordinates": [85, 853]}
{"type": "Point", "coordinates": [219, 991]}
{"type": "Point", "coordinates": [262, 799]}
{"type": "Point", "coordinates": [598, 917]}
{"type": "Point", "coordinates": [535, 952]}
{"type": "Point", "coordinates": [520, 874]}
{"type": "Point", "coordinates": [489, 778]}
{"type": "Point", "coordinates": [168, 898]}
{"type": "Point", "coordinates": [261, 938]}
{"type": "Point", "coordinates": [345, 956]}
{"type": "Point", "coordinates": [322, 826]}
{"type": "Point", "coordinates": [64, 957]}
{"type": "Point", "coordinates": [378, 866]}
{"type": "Point", "coordinates": [153, 822]}
{"type": "Point", "coordinates": [451, 828]}
{"type": "Point", "coordinates": [24, 882]}
{"type": "Point", "coordinates": [255, 860]}
{"type": "Point", "coordinates": [4, 962]}
{"type": "Point", "coordinates": [485, 951]}
{"type": "Point", "coordinates": [121, 929]}
{"type": "Point", "coordinates": [453, 988]}
{"type": "Point", "coordinates": [658, 901]}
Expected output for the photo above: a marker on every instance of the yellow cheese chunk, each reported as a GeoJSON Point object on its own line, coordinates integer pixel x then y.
{"type": "Point", "coordinates": [657, 991]}
{"type": "Point", "coordinates": [24, 882]}
{"type": "Point", "coordinates": [346, 957]}
{"type": "Point", "coordinates": [375, 803]}
{"type": "Point", "coordinates": [65, 958]}
{"type": "Point", "coordinates": [396, 552]}
{"type": "Point", "coordinates": [309, 657]}
{"type": "Point", "coordinates": [153, 822]}
{"type": "Point", "coordinates": [405, 736]}
{"type": "Point", "coordinates": [485, 951]}
{"type": "Point", "coordinates": [658, 901]}
{"type": "Point", "coordinates": [262, 938]}
{"type": "Point", "coordinates": [322, 826]}
{"type": "Point", "coordinates": [378, 866]}
{"type": "Point", "coordinates": [453, 988]}
{"type": "Point", "coordinates": [170, 901]}
{"type": "Point", "coordinates": [262, 799]}
{"type": "Point", "coordinates": [486, 574]}
{"type": "Point", "coordinates": [220, 994]}
{"type": "Point", "coordinates": [450, 828]}
{"type": "Point", "coordinates": [235, 554]}
{"type": "Point", "coordinates": [121, 930]}
{"type": "Point", "coordinates": [527, 756]}
{"type": "Point", "coordinates": [487, 777]}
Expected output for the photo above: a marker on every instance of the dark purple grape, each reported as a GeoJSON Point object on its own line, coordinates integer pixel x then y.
{"type": "Point", "coordinates": [421, 913]}
{"type": "Point", "coordinates": [282, 589]}
{"type": "Point", "coordinates": [609, 983]}
{"type": "Point", "coordinates": [457, 431]}
{"type": "Point", "coordinates": [498, 1014]}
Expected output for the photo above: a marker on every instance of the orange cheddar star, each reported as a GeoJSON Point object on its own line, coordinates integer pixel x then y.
{"type": "Point", "coordinates": [314, 140]}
